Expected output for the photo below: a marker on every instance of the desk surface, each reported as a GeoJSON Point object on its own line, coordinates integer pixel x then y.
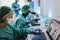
{"type": "Point", "coordinates": [39, 37]}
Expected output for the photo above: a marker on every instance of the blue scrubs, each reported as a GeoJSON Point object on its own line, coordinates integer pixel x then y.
{"type": "Point", "coordinates": [31, 4]}
{"type": "Point", "coordinates": [16, 8]}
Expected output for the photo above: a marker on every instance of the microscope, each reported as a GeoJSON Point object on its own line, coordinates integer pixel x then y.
{"type": "Point", "coordinates": [35, 19]}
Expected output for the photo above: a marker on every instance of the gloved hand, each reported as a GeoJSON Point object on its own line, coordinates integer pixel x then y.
{"type": "Point", "coordinates": [33, 22]}
{"type": "Point", "coordinates": [36, 31]}
{"type": "Point", "coordinates": [33, 13]}
{"type": "Point", "coordinates": [36, 20]}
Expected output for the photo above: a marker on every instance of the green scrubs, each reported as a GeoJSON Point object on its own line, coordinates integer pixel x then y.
{"type": "Point", "coordinates": [21, 25]}
{"type": "Point", "coordinates": [6, 33]}
{"type": "Point", "coordinates": [9, 33]}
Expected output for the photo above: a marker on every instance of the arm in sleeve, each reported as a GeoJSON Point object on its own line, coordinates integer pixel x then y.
{"type": "Point", "coordinates": [24, 28]}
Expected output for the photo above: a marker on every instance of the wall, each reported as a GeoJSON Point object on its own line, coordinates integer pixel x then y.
{"type": "Point", "coordinates": [56, 9]}
{"type": "Point", "coordinates": [0, 2]}
{"type": "Point", "coordinates": [36, 7]}
{"type": "Point", "coordinates": [9, 2]}
{"type": "Point", "coordinates": [51, 8]}
{"type": "Point", "coordinates": [46, 8]}
{"type": "Point", "coordinates": [6, 2]}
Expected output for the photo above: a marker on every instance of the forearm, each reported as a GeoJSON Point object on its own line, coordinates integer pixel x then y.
{"type": "Point", "coordinates": [27, 30]}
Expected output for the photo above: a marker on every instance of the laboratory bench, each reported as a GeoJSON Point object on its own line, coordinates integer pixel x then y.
{"type": "Point", "coordinates": [42, 36]}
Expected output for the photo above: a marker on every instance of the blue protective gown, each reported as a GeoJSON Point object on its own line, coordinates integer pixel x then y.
{"type": "Point", "coordinates": [16, 8]}
{"type": "Point", "coordinates": [31, 4]}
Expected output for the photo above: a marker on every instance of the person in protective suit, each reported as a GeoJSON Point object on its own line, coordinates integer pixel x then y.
{"type": "Point", "coordinates": [7, 32]}
{"type": "Point", "coordinates": [31, 4]}
{"type": "Point", "coordinates": [16, 7]}
{"type": "Point", "coordinates": [22, 24]}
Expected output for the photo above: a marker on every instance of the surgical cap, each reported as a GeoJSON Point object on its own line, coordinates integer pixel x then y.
{"type": "Point", "coordinates": [25, 8]}
{"type": "Point", "coordinates": [4, 10]}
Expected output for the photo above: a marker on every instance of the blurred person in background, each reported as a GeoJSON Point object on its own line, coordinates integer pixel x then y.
{"type": "Point", "coordinates": [31, 4]}
{"type": "Point", "coordinates": [16, 7]}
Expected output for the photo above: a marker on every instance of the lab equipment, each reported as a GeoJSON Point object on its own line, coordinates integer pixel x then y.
{"type": "Point", "coordinates": [36, 31]}
{"type": "Point", "coordinates": [39, 37]}
{"type": "Point", "coordinates": [46, 21]}
{"type": "Point", "coordinates": [30, 16]}
{"type": "Point", "coordinates": [34, 21]}
{"type": "Point", "coordinates": [53, 30]}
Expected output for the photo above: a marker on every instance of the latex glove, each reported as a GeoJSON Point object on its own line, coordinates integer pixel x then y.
{"type": "Point", "coordinates": [33, 13]}
{"type": "Point", "coordinates": [36, 31]}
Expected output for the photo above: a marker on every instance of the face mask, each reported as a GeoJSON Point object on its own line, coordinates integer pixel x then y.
{"type": "Point", "coordinates": [10, 21]}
